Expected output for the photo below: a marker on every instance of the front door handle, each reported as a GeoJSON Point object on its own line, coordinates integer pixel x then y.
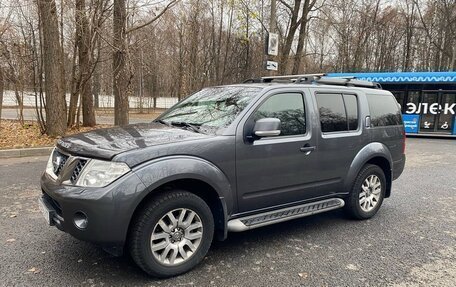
{"type": "Point", "coordinates": [307, 149]}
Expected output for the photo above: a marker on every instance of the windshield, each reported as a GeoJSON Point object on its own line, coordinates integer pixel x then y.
{"type": "Point", "coordinates": [211, 108]}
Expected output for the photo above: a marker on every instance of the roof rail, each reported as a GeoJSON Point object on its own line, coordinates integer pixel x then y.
{"type": "Point", "coordinates": [348, 81]}
{"type": "Point", "coordinates": [293, 78]}
{"type": "Point", "coordinates": [303, 78]}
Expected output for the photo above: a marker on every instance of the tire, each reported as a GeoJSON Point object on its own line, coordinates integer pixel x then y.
{"type": "Point", "coordinates": [171, 240]}
{"type": "Point", "coordinates": [369, 176]}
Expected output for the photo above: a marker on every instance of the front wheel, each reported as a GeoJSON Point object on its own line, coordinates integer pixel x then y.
{"type": "Point", "coordinates": [367, 193]}
{"type": "Point", "coordinates": [172, 234]}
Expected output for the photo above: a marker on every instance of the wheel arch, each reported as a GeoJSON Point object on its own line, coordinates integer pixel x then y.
{"type": "Point", "coordinates": [374, 153]}
{"type": "Point", "coordinates": [198, 187]}
{"type": "Point", "coordinates": [192, 174]}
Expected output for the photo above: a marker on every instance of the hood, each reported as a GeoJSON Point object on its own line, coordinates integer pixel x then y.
{"type": "Point", "coordinates": [109, 142]}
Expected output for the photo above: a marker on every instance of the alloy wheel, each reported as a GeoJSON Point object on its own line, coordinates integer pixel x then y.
{"type": "Point", "coordinates": [176, 236]}
{"type": "Point", "coordinates": [370, 193]}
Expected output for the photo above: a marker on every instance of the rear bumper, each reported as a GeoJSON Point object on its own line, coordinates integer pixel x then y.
{"type": "Point", "coordinates": [108, 209]}
{"type": "Point", "coordinates": [398, 167]}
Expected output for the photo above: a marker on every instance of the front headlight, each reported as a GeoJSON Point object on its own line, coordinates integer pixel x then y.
{"type": "Point", "coordinates": [98, 173]}
{"type": "Point", "coordinates": [50, 166]}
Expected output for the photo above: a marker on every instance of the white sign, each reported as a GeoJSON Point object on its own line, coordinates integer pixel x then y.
{"type": "Point", "coordinates": [434, 108]}
{"type": "Point", "coordinates": [273, 44]}
{"type": "Point", "coordinates": [272, 66]}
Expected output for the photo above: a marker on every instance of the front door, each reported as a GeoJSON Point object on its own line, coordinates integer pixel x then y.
{"type": "Point", "coordinates": [275, 170]}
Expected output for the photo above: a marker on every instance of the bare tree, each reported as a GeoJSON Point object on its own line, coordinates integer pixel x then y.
{"type": "Point", "coordinates": [120, 73]}
{"type": "Point", "coordinates": [53, 62]}
{"type": "Point", "coordinates": [307, 7]}
{"type": "Point", "coordinates": [289, 38]}
{"type": "Point", "coordinates": [84, 36]}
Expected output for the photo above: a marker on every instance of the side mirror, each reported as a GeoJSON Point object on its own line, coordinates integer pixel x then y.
{"type": "Point", "coordinates": [267, 127]}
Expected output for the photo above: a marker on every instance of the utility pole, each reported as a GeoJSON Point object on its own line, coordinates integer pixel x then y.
{"type": "Point", "coordinates": [273, 19]}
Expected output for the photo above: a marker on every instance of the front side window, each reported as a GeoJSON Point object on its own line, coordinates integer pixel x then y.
{"type": "Point", "coordinates": [211, 108]}
{"type": "Point", "coordinates": [338, 113]}
{"type": "Point", "coordinates": [289, 109]}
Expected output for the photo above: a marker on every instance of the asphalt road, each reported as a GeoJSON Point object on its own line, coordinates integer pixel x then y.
{"type": "Point", "coordinates": [411, 241]}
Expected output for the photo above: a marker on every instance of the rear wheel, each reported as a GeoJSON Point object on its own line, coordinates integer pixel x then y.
{"type": "Point", "coordinates": [172, 234]}
{"type": "Point", "coordinates": [367, 193]}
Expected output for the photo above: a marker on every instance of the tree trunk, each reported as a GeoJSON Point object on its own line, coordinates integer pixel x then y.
{"type": "Point", "coordinates": [294, 24]}
{"type": "Point", "coordinates": [85, 64]}
{"type": "Point", "coordinates": [302, 35]}
{"type": "Point", "coordinates": [74, 87]}
{"type": "Point", "coordinates": [53, 63]}
{"type": "Point", "coordinates": [1, 92]}
{"type": "Point", "coordinates": [97, 76]}
{"type": "Point", "coordinates": [120, 77]}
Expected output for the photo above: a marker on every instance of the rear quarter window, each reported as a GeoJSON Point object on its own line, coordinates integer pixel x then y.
{"type": "Point", "coordinates": [384, 110]}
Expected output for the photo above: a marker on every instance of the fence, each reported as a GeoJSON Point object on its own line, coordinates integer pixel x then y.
{"type": "Point", "coordinates": [105, 101]}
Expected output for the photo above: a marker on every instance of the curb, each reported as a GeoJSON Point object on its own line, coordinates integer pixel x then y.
{"type": "Point", "coordinates": [24, 152]}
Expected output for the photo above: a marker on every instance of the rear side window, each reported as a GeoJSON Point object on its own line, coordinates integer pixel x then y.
{"type": "Point", "coordinates": [289, 109]}
{"type": "Point", "coordinates": [338, 112]}
{"type": "Point", "coordinates": [351, 105]}
{"type": "Point", "coordinates": [384, 111]}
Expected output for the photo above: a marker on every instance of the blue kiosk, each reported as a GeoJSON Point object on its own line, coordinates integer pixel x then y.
{"type": "Point", "coordinates": [428, 99]}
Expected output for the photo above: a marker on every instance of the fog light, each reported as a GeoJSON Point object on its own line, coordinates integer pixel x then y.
{"type": "Point", "coordinates": [80, 220]}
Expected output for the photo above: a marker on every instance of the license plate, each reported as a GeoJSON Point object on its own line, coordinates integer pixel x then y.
{"type": "Point", "coordinates": [45, 210]}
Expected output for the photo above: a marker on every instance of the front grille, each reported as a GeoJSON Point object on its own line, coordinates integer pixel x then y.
{"type": "Point", "coordinates": [58, 161]}
{"type": "Point", "coordinates": [77, 170]}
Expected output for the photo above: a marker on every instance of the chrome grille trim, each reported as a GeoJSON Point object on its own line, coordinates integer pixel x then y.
{"type": "Point", "coordinates": [77, 170]}
{"type": "Point", "coordinates": [59, 160]}
{"type": "Point", "coordinates": [67, 168]}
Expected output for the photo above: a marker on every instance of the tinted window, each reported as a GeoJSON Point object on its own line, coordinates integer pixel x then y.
{"type": "Point", "coordinates": [384, 110]}
{"type": "Point", "coordinates": [289, 109]}
{"type": "Point", "coordinates": [332, 112]}
{"type": "Point", "coordinates": [351, 105]}
{"type": "Point", "coordinates": [400, 97]}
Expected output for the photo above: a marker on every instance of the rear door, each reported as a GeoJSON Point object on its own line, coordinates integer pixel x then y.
{"type": "Point", "coordinates": [341, 135]}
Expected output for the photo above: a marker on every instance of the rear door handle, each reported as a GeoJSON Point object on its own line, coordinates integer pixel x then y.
{"type": "Point", "coordinates": [307, 149]}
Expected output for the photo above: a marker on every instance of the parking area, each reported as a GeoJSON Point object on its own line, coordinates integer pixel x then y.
{"type": "Point", "coordinates": [411, 241]}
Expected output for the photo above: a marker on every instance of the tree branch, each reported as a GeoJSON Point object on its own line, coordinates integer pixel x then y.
{"type": "Point", "coordinates": [170, 4]}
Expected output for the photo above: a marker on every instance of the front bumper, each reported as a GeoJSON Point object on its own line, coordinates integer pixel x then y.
{"type": "Point", "coordinates": [108, 209]}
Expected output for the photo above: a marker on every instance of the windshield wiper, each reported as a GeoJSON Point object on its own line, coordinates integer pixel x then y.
{"type": "Point", "coordinates": [193, 127]}
{"type": "Point", "coordinates": [162, 122]}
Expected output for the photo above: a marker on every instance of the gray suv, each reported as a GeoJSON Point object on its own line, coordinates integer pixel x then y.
{"type": "Point", "coordinates": [226, 159]}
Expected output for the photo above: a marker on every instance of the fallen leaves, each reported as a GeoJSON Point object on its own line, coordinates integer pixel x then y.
{"type": "Point", "coordinates": [352, 267]}
{"type": "Point", "coordinates": [15, 135]}
{"type": "Point", "coordinates": [34, 270]}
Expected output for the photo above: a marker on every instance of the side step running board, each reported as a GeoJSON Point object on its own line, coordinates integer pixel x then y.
{"type": "Point", "coordinates": [276, 216]}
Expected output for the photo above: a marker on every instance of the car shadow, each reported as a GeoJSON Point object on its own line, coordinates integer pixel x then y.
{"type": "Point", "coordinates": [98, 266]}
